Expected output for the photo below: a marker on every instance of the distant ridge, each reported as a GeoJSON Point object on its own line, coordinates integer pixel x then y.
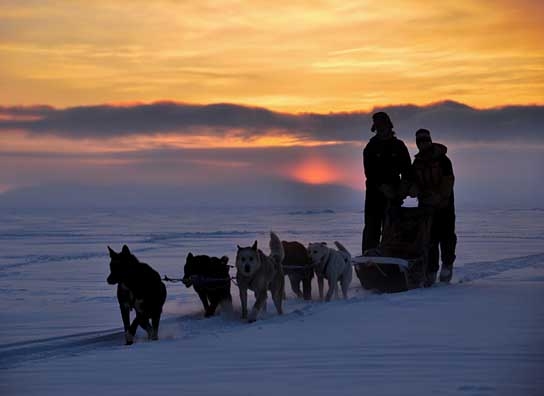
{"type": "Point", "coordinates": [259, 194]}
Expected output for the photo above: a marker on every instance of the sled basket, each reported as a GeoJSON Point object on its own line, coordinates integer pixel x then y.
{"type": "Point", "coordinates": [399, 263]}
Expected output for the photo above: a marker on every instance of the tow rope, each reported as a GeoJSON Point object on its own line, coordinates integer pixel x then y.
{"type": "Point", "coordinates": [199, 280]}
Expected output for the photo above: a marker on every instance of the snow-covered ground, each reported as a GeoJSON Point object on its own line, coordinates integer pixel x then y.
{"type": "Point", "coordinates": [481, 335]}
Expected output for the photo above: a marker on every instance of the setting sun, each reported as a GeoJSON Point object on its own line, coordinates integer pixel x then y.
{"type": "Point", "coordinates": [315, 171]}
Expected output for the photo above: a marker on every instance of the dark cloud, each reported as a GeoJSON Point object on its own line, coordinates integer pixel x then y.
{"type": "Point", "coordinates": [448, 120]}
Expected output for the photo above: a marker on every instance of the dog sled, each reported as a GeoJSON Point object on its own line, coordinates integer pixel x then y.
{"type": "Point", "coordinates": [399, 263]}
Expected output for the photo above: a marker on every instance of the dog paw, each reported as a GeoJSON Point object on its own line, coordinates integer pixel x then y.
{"type": "Point", "coordinates": [252, 317]}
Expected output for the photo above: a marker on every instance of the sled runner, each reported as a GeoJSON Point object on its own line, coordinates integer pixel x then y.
{"type": "Point", "coordinates": [399, 263]}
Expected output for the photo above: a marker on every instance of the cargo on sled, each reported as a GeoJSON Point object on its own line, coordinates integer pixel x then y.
{"type": "Point", "coordinates": [400, 261]}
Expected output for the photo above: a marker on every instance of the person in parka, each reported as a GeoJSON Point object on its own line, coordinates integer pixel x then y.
{"type": "Point", "coordinates": [386, 162]}
{"type": "Point", "coordinates": [434, 180]}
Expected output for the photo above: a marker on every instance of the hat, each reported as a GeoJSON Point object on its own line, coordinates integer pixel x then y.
{"type": "Point", "coordinates": [382, 117]}
{"type": "Point", "coordinates": [423, 135]}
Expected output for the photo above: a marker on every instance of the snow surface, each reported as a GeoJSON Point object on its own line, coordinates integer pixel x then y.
{"type": "Point", "coordinates": [481, 335]}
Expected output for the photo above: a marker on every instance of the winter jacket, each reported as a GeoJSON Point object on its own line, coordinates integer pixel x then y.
{"type": "Point", "coordinates": [434, 177]}
{"type": "Point", "coordinates": [385, 161]}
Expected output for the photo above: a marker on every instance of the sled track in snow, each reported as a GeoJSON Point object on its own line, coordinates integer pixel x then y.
{"type": "Point", "coordinates": [185, 326]}
{"type": "Point", "coordinates": [16, 353]}
{"type": "Point", "coordinates": [486, 269]}
{"type": "Point", "coordinates": [190, 325]}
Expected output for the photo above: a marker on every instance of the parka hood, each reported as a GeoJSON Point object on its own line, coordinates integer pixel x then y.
{"type": "Point", "coordinates": [435, 152]}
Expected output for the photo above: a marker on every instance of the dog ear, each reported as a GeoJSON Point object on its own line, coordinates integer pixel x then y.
{"type": "Point", "coordinates": [254, 247]}
{"type": "Point", "coordinates": [238, 246]}
{"type": "Point", "coordinates": [125, 250]}
{"type": "Point", "coordinates": [112, 252]}
{"type": "Point", "coordinates": [224, 260]}
{"type": "Point", "coordinates": [190, 256]}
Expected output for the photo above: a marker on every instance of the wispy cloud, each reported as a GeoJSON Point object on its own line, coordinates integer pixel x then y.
{"type": "Point", "coordinates": [292, 56]}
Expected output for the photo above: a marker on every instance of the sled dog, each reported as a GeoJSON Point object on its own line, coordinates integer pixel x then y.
{"type": "Point", "coordinates": [298, 268]}
{"type": "Point", "coordinates": [260, 273]}
{"type": "Point", "coordinates": [334, 265]}
{"type": "Point", "coordinates": [211, 280]}
{"type": "Point", "coordinates": [139, 287]}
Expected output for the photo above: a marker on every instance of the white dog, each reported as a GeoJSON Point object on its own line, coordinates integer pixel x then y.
{"type": "Point", "coordinates": [260, 273]}
{"type": "Point", "coordinates": [335, 265]}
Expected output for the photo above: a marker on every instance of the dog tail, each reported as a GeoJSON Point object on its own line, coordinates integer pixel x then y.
{"type": "Point", "coordinates": [276, 249]}
{"type": "Point", "coordinates": [342, 248]}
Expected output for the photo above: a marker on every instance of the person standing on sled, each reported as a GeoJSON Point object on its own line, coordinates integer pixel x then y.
{"type": "Point", "coordinates": [385, 160]}
{"type": "Point", "coordinates": [434, 189]}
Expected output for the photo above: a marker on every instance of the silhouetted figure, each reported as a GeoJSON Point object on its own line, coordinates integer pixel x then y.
{"type": "Point", "coordinates": [434, 181]}
{"type": "Point", "coordinates": [386, 160]}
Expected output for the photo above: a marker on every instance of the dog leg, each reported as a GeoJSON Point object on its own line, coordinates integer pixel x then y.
{"type": "Point", "coordinates": [346, 281]}
{"type": "Point", "coordinates": [307, 288]}
{"type": "Point", "coordinates": [125, 315]}
{"type": "Point", "coordinates": [261, 300]}
{"type": "Point", "coordinates": [277, 297]}
{"type": "Point", "coordinates": [345, 286]}
{"type": "Point", "coordinates": [155, 319]}
{"type": "Point", "coordinates": [226, 305]}
{"type": "Point", "coordinates": [295, 285]}
{"type": "Point", "coordinates": [204, 300]}
{"type": "Point", "coordinates": [132, 329]}
{"type": "Point", "coordinates": [243, 301]}
{"type": "Point", "coordinates": [144, 324]}
{"type": "Point", "coordinates": [333, 288]}
{"type": "Point", "coordinates": [214, 302]}
{"type": "Point", "coordinates": [134, 326]}
{"type": "Point", "coordinates": [320, 286]}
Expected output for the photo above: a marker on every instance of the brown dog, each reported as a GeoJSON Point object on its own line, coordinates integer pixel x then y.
{"type": "Point", "coordinates": [297, 265]}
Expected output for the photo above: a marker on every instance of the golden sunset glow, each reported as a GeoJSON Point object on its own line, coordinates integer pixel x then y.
{"type": "Point", "coordinates": [292, 56]}
{"type": "Point", "coordinates": [18, 141]}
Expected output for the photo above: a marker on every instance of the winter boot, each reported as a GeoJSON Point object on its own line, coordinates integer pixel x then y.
{"type": "Point", "coordinates": [430, 278]}
{"type": "Point", "coordinates": [446, 273]}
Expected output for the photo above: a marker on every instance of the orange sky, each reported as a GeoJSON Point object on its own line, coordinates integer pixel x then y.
{"type": "Point", "coordinates": [292, 56]}
{"type": "Point", "coordinates": [303, 56]}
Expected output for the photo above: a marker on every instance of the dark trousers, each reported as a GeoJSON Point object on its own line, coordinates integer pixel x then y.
{"type": "Point", "coordinates": [375, 207]}
{"type": "Point", "coordinates": [442, 237]}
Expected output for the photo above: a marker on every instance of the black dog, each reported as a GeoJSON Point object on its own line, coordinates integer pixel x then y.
{"type": "Point", "coordinates": [140, 287]}
{"type": "Point", "coordinates": [298, 267]}
{"type": "Point", "coordinates": [211, 280]}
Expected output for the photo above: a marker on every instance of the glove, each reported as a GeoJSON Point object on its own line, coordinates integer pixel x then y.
{"type": "Point", "coordinates": [413, 191]}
